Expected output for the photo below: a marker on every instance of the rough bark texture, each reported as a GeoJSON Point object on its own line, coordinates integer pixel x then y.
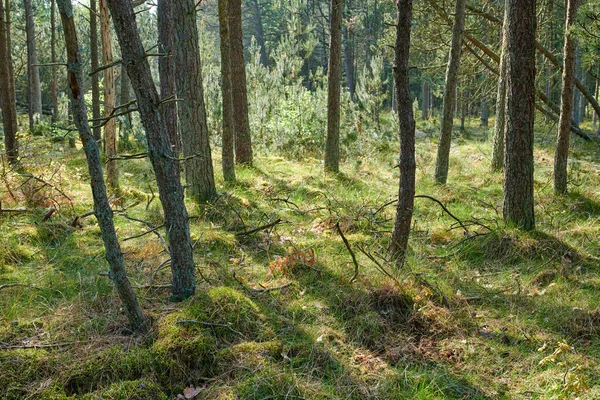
{"type": "Point", "coordinates": [406, 122]}
{"type": "Point", "coordinates": [566, 98]}
{"type": "Point", "coordinates": [166, 70]}
{"type": "Point", "coordinates": [243, 140]}
{"type": "Point", "coordinates": [33, 71]}
{"type": "Point", "coordinates": [139, 322]}
{"type": "Point", "coordinates": [164, 162]}
{"type": "Point", "coordinates": [443, 153]}
{"type": "Point", "coordinates": [193, 127]}
{"type": "Point", "coordinates": [332, 145]}
{"type": "Point", "coordinates": [498, 146]}
{"type": "Point", "coordinates": [7, 93]}
{"type": "Point", "coordinates": [110, 100]}
{"type": "Point", "coordinates": [94, 64]}
{"type": "Point", "coordinates": [53, 60]}
{"type": "Point", "coordinates": [260, 34]}
{"type": "Point", "coordinates": [520, 113]}
{"type": "Point", "coordinates": [348, 63]}
{"type": "Point", "coordinates": [227, 155]}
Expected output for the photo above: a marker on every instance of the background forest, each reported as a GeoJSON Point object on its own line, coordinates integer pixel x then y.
{"type": "Point", "coordinates": [245, 235]}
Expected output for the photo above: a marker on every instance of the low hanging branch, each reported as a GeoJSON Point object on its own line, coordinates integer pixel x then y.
{"type": "Point", "coordinates": [339, 230]}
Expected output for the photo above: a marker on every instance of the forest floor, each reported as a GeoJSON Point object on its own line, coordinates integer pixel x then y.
{"type": "Point", "coordinates": [481, 310]}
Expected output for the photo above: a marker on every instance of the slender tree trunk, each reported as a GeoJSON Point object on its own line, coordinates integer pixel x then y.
{"type": "Point", "coordinates": [443, 154]}
{"type": "Point", "coordinates": [596, 94]}
{"type": "Point", "coordinates": [498, 146]}
{"type": "Point", "coordinates": [564, 125]}
{"type": "Point", "coordinates": [348, 65]}
{"type": "Point", "coordinates": [260, 35]}
{"type": "Point", "coordinates": [243, 139]}
{"type": "Point", "coordinates": [425, 102]}
{"type": "Point", "coordinates": [162, 157]}
{"type": "Point", "coordinates": [124, 98]}
{"type": "Point", "coordinates": [166, 70]}
{"type": "Point", "coordinates": [33, 71]}
{"type": "Point", "coordinates": [549, 36]}
{"type": "Point", "coordinates": [406, 128]}
{"type": "Point", "coordinates": [110, 99]}
{"type": "Point", "coordinates": [576, 94]}
{"type": "Point", "coordinates": [463, 110]}
{"type": "Point", "coordinates": [7, 92]}
{"type": "Point", "coordinates": [53, 60]}
{"type": "Point", "coordinates": [94, 65]}
{"type": "Point", "coordinates": [520, 113]}
{"type": "Point", "coordinates": [227, 156]}
{"type": "Point", "coordinates": [193, 126]}
{"type": "Point", "coordinates": [582, 102]}
{"type": "Point", "coordinates": [332, 145]}
{"type": "Point", "coordinates": [139, 322]}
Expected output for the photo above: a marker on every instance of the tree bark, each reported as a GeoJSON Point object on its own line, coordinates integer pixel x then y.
{"type": "Point", "coordinates": [498, 146]}
{"type": "Point", "coordinates": [124, 98]}
{"type": "Point", "coordinates": [443, 153]}
{"type": "Point", "coordinates": [94, 65]}
{"type": "Point", "coordinates": [7, 91]}
{"type": "Point", "coordinates": [520, 113]}
{"type": "Point", "coordinates": [406, 128]}
{"type": "Point", "coordinates": [33, 71]}
{"type": "Point", "coordinates": [191, 110]}
{"type": "Point", "coordinates": [596, 93]}
{"type": "Point", "coordinates": [166, 70]}
{"type": "Point", "coordinates": [243, 139]}
{"type": "Point", "coordinates": [139, 322]}
{"type": "Point", "coordinates": [162, 157]}
{"type": "Point", "coordinates": [227, 155]}
{"type": "Point", "coordinates": [425, 101]}
{"type": "Point", "coordinates": [260, 35]}
{"type": "Point", "coordinates": [332, 145]}
{"type": "Point", "coordinates": [53, 61]}
{"type": "Point", "coordinates": [564, 124]}
{"type": "Point", "coordinates": [110, 99]}
{"type": "Point", "coordinates": [348, 64]}
{"type": "Point", "coordinates": [548, 66]}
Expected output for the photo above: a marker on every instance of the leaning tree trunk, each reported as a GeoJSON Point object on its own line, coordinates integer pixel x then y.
{"type": "Point", "coordinates": [520, 113]}
{"type": "Point", "coordinates": [33, 71]}
{"type": "Point", "coordinates": [162, 157]}
{"type": "Point", "coordinates": [94, 64]}
{"type": "Point", "coordinates": [139, 322]}
{"type": "Point", "coordinates": [227, 155]}
{"type": "Point", "coordinates": [332, 145]}
{"type": "Point", "coordinates": [193, 126]}
{"type": "Point", "coordinates": [243, 140]}
{"type": "Point", "coordinates": [110, 99]}
{"type": "Point", "coordinates": [443, 153]}
{"type": "Point", "coordinates": [564, 125]}
{"type": "Point", "coordinates": [7, 93]}
{"type": "Point", "coordinates": [166, 70]}
{"type": "Point", "coordinates": [406, 127]}
{"type": "Point", "coordinates": [498, 146]}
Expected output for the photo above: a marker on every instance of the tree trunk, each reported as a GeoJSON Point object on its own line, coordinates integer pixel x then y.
{"type": "Point", "coordinates": [562, 143]}
{"type": "Point", "coordinates": [582, 102]}
{"type": "Point", "coordinates": [332, 145]}
{"type": "Point", "coordinates": [125, 98]}
{"type": "Point", "coordinates": [260, 35]}
{"type": "Point", "coordinates": [110, 99]}
{"type": "Point", "coordinates": [406, 128]}
{"type": "Point", "coordinates": [425, 101]}
{"type": "Point", "coordinates": [520, 113]}
{"type": "Point", "coordinates": [498, 146]}
{"type": "Point", "coordinates": [463, 110]}
{"type": "Point", "coordinates": [94, 65]}
{"type": "Point", "coordinates": [7, 91]}
{"type": "Point", "coordinates": [243, 139]}
{"type": "Point", "coordinates": [597, 94]}
{"type": "Point", "coordinates": [162, 157]}
{"type": "Point", "coordinates": [53, 60]}
{"type": "Point", "coordinates": [193, 127]}
{"type": "Point", "coordinates": [348, 64]}
{"type": "Point", "coordinates": [139, 322]}
{"type": "Point", "coordinates": [576, 94]}
{"type": "Point", "coordinates": [33, 71]}
{"type": "Point", "coordinates": [443, 153]}
{"type": "Point", "coordinates": [227, 156]}
{"type": "Point", "coordinates": [166, 70]}
{"type": "Point", "coordinates": [549, 34]}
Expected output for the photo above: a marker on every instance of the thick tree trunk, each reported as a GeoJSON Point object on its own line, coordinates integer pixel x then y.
{"type": "Point", "coordinates": [139, 322]}
{"type": "Point", "coordinates": [243, 139]}
{"type": "Point", "coordinates": [162, 157]}
{"type": "Point", "coordinates": [227, 155]}
{"type": "Point", "coordinates": [520, 113]}
{"type": "Point", "coordinates": [348, 64]}
{"type": "Point", "coordinates": [498, 146]}
{"type": "Point", "coordinates": [33, 71]}
{"type": "Point", "coordinates": [110, 99]}
{"type": "Point", "coordinates": [564, 125]}
{"type": "Point", "coordinates": [7, 92]}
{"type": "Point", "coordinates": [443, 153]}
{"type": "Point", "coordinates": [193, 126]}
{"type": "Point", "coordinates": [425, 101]}
{"type": "Point", "coordinates": [332, 145]}
{"type": "Point", "coordinates": [94, 64]}
{"type": "Point", "coordinates": [260, 35]}
{"type": "Point", "coordinates": [53, 60]}
{"type": "Point", "coordinates": [406, 125]}
{"type": "Point", "coordinates": [166, 70]}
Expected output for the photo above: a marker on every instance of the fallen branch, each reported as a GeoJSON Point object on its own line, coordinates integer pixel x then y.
{"type": "Point", "coordinates": [337, 227]}
{"type": "Point", "coordinates": [153, 229]}
{"type": "Point", "coordinates": [424, 196]}
{"type": "Point", "coordinates": [380, 267]}
{"type": "Point", "coordinates": [9, 285]}
{"type": "Point", "coordinates": [260, 228]}
{"type": "Point", "coordinates": [143, 233]}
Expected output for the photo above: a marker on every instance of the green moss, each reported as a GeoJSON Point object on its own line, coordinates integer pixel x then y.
{"type": "Point", "coordinates": [129, 390]}
{"type": "Point", "coordinates": [248, 356]}
{"type": "Point", "coordinates": [21, 369]}
{"type": "Point", "coordinates": [269, 383]}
